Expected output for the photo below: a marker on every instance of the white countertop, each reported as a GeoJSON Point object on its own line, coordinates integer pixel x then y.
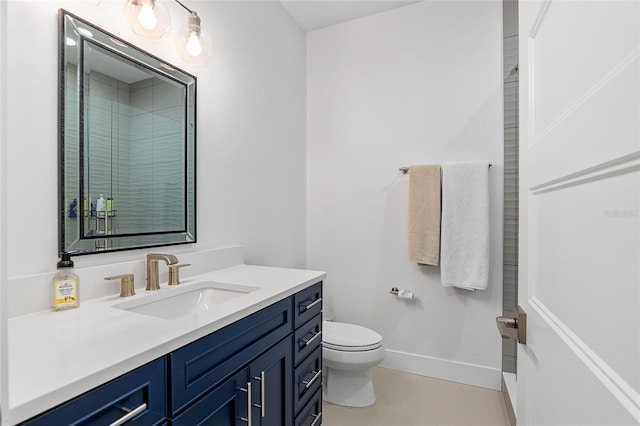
{"type": "Point", "coordinates": [55, 356]}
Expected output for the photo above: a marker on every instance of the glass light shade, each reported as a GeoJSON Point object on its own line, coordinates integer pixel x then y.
{"type": "Point", "coordinates": [148, 18]}
{"type": "Point", "coordinates": [194, 46]}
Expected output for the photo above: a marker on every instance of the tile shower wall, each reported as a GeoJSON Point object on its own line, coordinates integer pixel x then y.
{"type": "Point", "coordinates": [510, 230]}
{"type": "Point", "coordinates": [107, 143]}
{"type": "Point", "coordinates": [136, 143]}
{"type": "Point", "coordinates": [157, 156]}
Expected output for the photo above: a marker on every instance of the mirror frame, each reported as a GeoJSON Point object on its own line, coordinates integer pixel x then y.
{"type": "Point", "coordinates": [87, 32]}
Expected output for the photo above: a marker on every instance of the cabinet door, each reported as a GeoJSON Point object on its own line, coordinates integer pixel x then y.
{"type": "Point", "coordinates": [271, 374]}
{"type": "Point", "coordinates": [226, 405]}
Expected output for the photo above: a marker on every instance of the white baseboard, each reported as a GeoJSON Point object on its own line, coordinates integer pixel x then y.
{"type": "Point", "coordinates": [453, 371]}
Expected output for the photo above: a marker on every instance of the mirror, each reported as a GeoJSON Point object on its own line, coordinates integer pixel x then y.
{"type": "Point", "coordinates": [127, 145]}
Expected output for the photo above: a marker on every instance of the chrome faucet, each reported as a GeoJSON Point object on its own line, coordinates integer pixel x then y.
{"type": "Point", "coordinates": [152, 268]}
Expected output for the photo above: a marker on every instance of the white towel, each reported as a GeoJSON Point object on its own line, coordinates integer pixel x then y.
{"type": "Point", "coordinates": [464, 255]}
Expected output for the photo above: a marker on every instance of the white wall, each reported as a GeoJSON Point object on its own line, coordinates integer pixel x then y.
{"type": "Point", "coordinates": [251, 130]}
{"type": "Point", "coordinates": [4, 367]}
{"type": "Point", "coordinates": [419, 84]}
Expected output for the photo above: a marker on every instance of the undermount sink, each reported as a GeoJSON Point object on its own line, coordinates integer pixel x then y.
{"type": "Point", "coordinates": [190, 300]}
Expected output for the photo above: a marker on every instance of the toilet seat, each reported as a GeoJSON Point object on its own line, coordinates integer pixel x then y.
{"type": "Point", "coordinates": [349, 337]}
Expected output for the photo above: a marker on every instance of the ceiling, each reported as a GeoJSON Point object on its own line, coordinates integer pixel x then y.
{"type": "Point", "coordinates": [314, 14]}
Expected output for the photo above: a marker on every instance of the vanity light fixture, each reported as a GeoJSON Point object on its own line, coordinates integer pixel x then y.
{"type": "Point", "coordinates": [148, 18]}
{"type": "Point", "coordinates": [193, 41]}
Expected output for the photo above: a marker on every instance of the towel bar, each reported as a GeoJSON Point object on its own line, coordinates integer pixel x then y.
{"type": "Point", "coordinates": [405, 170]}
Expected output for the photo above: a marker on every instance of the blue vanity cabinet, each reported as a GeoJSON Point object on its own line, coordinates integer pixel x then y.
{"type": "Point", "coordinates": [262, 370]}
{"type": "Point", "coordinates": [136, 398]}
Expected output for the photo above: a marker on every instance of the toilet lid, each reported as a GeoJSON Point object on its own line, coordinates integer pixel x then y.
{"type": "Point", "coordinates": [341, 336]}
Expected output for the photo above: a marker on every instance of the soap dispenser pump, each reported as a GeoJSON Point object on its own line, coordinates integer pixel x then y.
{"type": "Point", "coordinates": [66, 285]}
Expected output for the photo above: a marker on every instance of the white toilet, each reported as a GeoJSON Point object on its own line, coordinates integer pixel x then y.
{"type": "Point", "coordinates": [348, 353]}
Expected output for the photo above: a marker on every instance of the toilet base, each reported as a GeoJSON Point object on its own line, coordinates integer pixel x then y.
{"type": "Point", "coordinates": [351, 388]}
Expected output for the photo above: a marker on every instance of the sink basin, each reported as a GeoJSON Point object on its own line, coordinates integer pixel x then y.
{"type": "Point", "coordinates": [192, 300]}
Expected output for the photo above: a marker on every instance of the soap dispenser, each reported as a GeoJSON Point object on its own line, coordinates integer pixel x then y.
{"type": "Point", "coordinates": [66, 285]}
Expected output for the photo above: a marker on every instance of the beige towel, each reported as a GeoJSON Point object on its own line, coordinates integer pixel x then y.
{"type": "Point", "coordinates": [424, 214]}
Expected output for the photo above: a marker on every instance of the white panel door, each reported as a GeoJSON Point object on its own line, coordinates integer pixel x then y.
{"type": "Point", "coordinates": [579, 278]}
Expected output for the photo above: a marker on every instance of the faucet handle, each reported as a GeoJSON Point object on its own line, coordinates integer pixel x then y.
{"type": "Point", "coordinates": [174, 273]}
{"type": "Point", "coordinates": [126, 284]}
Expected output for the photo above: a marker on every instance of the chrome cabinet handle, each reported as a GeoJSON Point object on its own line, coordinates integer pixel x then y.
{"type": "Point", "coordinates": [130, 414]}
{"type": "Point", "coordinates": [307, 342]}
{"type": "Point", "coordinates": [316, 374]}
{"type": "Point", "coordinates": [248, 391]}
{"type": "Point", "coordinates": [262, 405]}
{"type": "Point", "coordinates": [317, 418]}
{"type": "Point", "coordinates": [312, 304]}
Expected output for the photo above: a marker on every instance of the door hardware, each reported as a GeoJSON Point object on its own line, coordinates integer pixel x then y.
{"type": "Point", "coordinates": [519, 322]}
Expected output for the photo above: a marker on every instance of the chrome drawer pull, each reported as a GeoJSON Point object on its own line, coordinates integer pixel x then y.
{"type": "Point", "coordinates": [262, 406]}
{"type": "Point", "coordinates": [248, 391]}
{"type": "Point", "coordinates": [307, 342]}
{"type": "Point", "coordinates": [317, 418]}
{"type": "Point", "coordinates": [307, 384]}
{"type": "Point", "coordinates": [130, 414]}
{"type": "Point", "coordinates": [312, 304]}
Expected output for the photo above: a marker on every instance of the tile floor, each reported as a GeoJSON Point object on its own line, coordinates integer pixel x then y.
{"type": "Point", "coordinates": [404, 399]}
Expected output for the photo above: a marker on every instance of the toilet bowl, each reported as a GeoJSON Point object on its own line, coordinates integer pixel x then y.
{"type": "Point", "coordinates": [348, 353]}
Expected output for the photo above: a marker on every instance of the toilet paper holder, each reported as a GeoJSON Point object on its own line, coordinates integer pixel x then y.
{"type": "Point", "coordinates": [402, 294]}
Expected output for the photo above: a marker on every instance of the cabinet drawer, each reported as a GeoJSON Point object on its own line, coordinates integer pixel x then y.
{"type": "Point", "coordinates": [307, 379]}
{"type": "Point", "coordinates": [311, 413]}
{"type": "Point", "coordinates": [307, 338]}
{"type": "Point", "coordinates": [307, 304]}
{"type": "Point", "coordinates": [142, 391]}
{"type": "Point", "coordinates": [203, 364]}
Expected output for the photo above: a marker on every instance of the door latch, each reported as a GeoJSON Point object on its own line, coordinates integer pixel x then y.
{"type": "Point", "coordinates": [519, 322]}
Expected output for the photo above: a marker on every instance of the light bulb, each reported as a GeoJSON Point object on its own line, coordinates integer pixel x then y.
{"type": "Point", "coordinates": [194, 42]}
{"type": "Point", "coordinates": [147, 17]}
{"type": "Point", "coordinates": [194, 48]}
